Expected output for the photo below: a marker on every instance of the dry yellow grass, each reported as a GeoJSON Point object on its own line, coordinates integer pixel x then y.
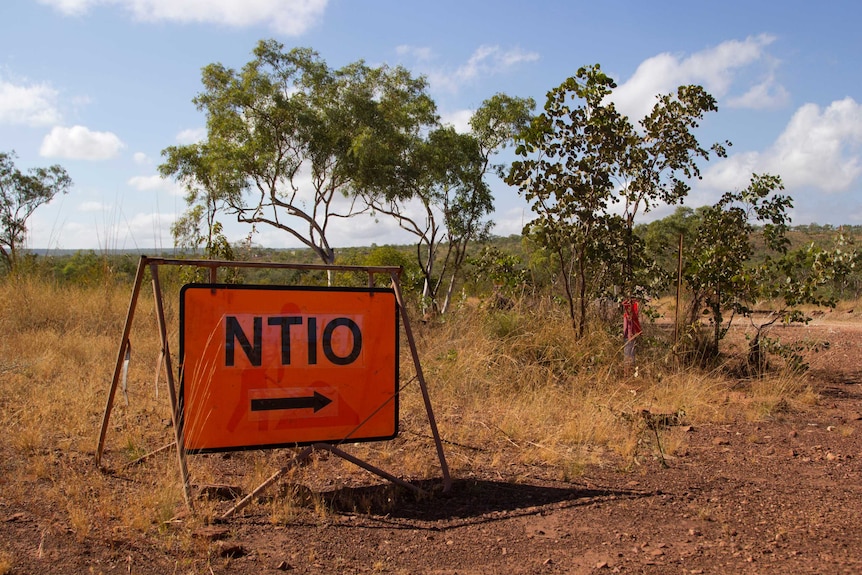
{"type": "Point", "coordinates": [507, 387]}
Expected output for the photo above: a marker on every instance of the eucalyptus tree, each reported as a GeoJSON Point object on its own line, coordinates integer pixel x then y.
{"type": "Point", "coordinates": [20, 194]}
{"type": "Point", "coordinates": [494, 125]}
{"type": "Point", "coordinates": [443, 173]}
{"type": "Point", "coordinates": [444, 198]}
{"type": "Point", "coordinates": [209, 184]}
{"type": "Point", "coordinates": [290, 141]}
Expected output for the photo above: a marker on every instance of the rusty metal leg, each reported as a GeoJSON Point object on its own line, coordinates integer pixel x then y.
{"type": "Point", "coordinates": [297, 459]}
{"type": "Point", "coordinates": [169, 374]}
{"type": "Point", "coordinates": [121, 354]}
{"type": "Point", "coordinates": [447, 480]}
{"type": "Point", "coordinates": [367, 466]}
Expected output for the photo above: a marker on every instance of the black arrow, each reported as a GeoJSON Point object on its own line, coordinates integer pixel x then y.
{"type": "Point", "coordinates": [317, 401]}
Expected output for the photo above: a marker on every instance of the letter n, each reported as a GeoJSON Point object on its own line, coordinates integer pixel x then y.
{"type": "Point", "coordinates": [234, 333]}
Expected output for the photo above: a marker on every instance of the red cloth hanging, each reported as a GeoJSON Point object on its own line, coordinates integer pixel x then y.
{"type": "Point", "coordinates": [631, 321]}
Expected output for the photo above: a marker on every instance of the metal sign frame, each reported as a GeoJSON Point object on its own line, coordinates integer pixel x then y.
{"type": "Point", "coordinates": [164, 360]}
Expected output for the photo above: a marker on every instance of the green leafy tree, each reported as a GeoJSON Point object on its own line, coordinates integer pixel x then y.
{"type": "Point", "coordinates": [571, 154]}
{"type": "Point", "coordinates": [290, 141]}
{"type": "Point", "coordinates": [718, 272]}
{"type": "Point", "coordinates": [725, 279]}
{"type": "Point", "coordinates": [847, 283]}
{"type": "Point", "coordinates": [209, 183]}
{"type": "Point", "coordinates": [494, 126]}
{"type": "Point", "coordinates": [444, 199]}
{"type": "Point", "coordinates": [581, 157]}
{"type": "Point", "coordinates": [20, 194]}
{"type": "Point", "coordinates": [506, 272]}
{"type": "Point", "coordinates": [443, 168]}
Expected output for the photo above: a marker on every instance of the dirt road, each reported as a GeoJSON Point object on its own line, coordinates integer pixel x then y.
{"type": "Point", "coordinates": [772, 497]}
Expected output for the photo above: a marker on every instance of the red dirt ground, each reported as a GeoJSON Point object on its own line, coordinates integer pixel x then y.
{"type": "Point", "coordinates": [775, 497]}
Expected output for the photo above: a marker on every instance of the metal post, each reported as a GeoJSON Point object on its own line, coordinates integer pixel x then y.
{"type": "Point", "coordinates": [447, 480]}
{"type": "Point", "coordinates": [121, 354]}
{"type": "Point", "coordinates": [297, 459]}
{"type": "Point", "coordinates": [169, 374]}
{"type": "Point", "coordinates": [678, 290]}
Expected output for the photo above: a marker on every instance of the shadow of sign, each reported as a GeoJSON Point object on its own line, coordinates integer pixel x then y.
{"type": "Point", "coordinates": [469, 501]}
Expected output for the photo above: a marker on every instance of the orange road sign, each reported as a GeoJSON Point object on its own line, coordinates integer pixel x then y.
{"type": "Point", "coordinates": [276, 366]}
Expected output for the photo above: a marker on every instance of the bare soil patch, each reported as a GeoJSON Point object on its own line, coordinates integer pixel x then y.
{"type": "Point", "coordinates": [777, 496]}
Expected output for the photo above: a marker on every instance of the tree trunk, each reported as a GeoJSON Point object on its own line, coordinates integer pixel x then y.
{"type": "Point", "coordinates": [582, 279]}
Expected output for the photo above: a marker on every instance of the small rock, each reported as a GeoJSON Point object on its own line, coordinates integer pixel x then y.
{"type": "Point", "coordinates": [720, 441]}
{"type": "Point", "coordinates": [602, 565]}
{"type": "Point", "coordinates": [831, 456]}
{"type": "Point", "coordinates": [284, 566]}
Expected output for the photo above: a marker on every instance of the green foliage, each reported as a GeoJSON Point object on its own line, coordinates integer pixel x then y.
{"type": "Point", "coordinates": [506, 272]}
{"type": "Point", "coordinates": [847, 259]}
{"type": "Point", "coordinates": [288, 137]}
{"type": "Point", "coordinates": [380, 256]}
{"type": "Point", "coordinates": [581, 156]}
{"type": "Point", "coordinates": [725, 277]}
{"type": "Point", "coordinates": [447, 178]}
{"type": "Point", "coordinates": [20, 194]}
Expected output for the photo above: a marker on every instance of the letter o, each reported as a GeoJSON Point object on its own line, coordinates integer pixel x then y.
{"type": "Point", "coordinates": [327, 341]}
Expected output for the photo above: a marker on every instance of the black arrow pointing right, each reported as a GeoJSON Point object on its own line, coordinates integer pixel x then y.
{"type": "Point", "coordinates": [317, 401]}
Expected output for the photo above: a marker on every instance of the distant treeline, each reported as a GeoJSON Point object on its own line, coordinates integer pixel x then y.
{"type": "Point", "coordinates": [510, 262]}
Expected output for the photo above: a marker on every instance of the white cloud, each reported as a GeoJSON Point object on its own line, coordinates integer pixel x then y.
{"type": "Point", "coordinates": [73, 7]}
{"type": "Point", "coordinates": [765, 95]}
{"type": "Point", "coordinates": [420, 53]}
{"type": "Point", "coordinates": [155, 183]}
{"type": "Point", "coordinates": [29, 104]}
{"type": "Point", "coordinates": [819, 148]}
{"type": "Point", "coordinates": [716, 69]}
{"type": "Point", "coordinates": [485, 61]}
{"type": "Point", "coordinates": [459, 119]}
{"type": "Point", "coordinates": [142, 159]}
{"type": "Point", "coordinates": [191, 136]}
{"type": "Point", "coordinates": [88, 207]}
{"type": "Point", "coordinates": [80, 143]}
{"type": "Point", "coordinates": [292, 17]}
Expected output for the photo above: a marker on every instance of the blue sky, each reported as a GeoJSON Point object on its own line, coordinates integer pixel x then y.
{"type": "Point", "coordinates": [102, 86]}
